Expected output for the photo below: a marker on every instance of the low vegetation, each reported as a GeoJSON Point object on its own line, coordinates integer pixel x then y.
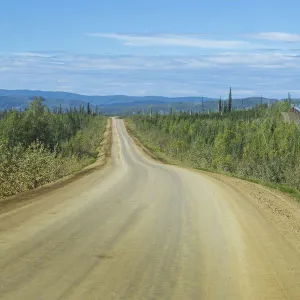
{"type": "Point", "coordinates": [38, 146]}
{"type": "Point", "coordinates": [252, 143]}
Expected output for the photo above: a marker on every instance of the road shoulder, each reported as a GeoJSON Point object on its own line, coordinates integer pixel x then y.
{"type": "Point", "coordinates": [281, 209]}
{"type": "Point", "coordinates": [26, 198]}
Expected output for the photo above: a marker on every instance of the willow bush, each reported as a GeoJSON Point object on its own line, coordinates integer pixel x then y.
{"type": "Point", "coordinates": [251, 143]}
{"type": "Point", "coordinates": [38, 146]}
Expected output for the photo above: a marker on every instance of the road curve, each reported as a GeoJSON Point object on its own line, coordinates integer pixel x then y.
{"type": "Point", "coordinates": [142, 230]}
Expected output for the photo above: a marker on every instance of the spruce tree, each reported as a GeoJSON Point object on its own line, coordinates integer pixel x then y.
{"type": "Point", "coordinates": [220, 105]}
{"type": "Point", "coordinates": [230, 100]}
{"type": "Point", "coordinates": [89, 112]}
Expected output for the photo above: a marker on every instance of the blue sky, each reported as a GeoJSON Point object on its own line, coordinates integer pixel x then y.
{"type": "Point", "coordinates": [172, 48]}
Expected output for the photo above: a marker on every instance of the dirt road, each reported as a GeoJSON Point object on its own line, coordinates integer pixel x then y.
{"type": "Point", "coordinates": [142, 230]}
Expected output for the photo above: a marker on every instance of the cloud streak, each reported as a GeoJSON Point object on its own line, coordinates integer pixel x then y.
{"type": "Point", "coordinates": [256, 73]}
{"type": "Point", "coordinates": [252, 64]}
{"type": "Point", "coordinates": [65, 63]}
{"type": "Point", "coordinates": [276, 37]}
{"type": "Point", "coordinates": [148, 40]}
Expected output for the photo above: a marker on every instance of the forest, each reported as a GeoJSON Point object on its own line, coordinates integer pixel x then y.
{"type": "Point", "coordinates": [39, 145]}
{"type": "Point", "coordinates": [253, 143]}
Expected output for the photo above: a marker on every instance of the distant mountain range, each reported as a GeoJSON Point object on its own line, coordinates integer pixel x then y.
{"type": "Point", "coordinates": [117, 104]}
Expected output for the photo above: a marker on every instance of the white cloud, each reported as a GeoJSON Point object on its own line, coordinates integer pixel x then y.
{"type": "Point", "coordinates": [33, 54]}
{"type": "Point", "coordinates": [172, 40]}
{"type": "Point", "coordinates": [258, 60]}
{"type": "Point", "coordinates": [66, 63]}
{"type": "Point", "coordinates": [256, 73]}
{"type": "Point", "coordinates": [276, 36]}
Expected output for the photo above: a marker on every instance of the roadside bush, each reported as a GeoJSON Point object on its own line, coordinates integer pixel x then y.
{"type": "Point", "coordinates": [38, 146]}
{"type": "Point", "coordinates": [253, 143]}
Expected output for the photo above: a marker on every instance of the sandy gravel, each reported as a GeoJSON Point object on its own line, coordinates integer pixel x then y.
{"type": "Point", "coordinates": [138, 229]}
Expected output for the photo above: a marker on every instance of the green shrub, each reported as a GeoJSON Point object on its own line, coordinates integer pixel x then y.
{"type": "Point", "coordinates": [38, 146]}
{"type": "Point", "coordinates": [253, 143]}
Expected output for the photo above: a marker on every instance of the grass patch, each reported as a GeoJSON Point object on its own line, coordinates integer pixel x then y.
{"type": "Point", "coordinates": [157, 154]}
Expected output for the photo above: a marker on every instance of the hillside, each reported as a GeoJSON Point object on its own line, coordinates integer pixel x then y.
{"type": "Point", "coordinates": [118, 104]}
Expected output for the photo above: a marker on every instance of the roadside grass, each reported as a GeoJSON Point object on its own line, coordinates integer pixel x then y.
{"type": "Point", "coordinates": [25, 170]}
{"type": "Point", "coordinates": [155, 153]}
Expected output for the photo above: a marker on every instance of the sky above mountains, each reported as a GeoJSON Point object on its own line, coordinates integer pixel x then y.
{"type": "Point", "coordinates": [171, 48]}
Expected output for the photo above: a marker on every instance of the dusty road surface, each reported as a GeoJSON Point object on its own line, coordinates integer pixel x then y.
{"type": "Point", "coordinates": [142, 230]}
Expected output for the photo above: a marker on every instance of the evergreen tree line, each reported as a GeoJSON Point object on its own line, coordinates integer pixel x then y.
{"type": "Point", "coordinates": [40, 145]}
{"type": "Point", "coordinates": [253, 143]}
{"type": "Point", "coordinates": [224, 106]}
